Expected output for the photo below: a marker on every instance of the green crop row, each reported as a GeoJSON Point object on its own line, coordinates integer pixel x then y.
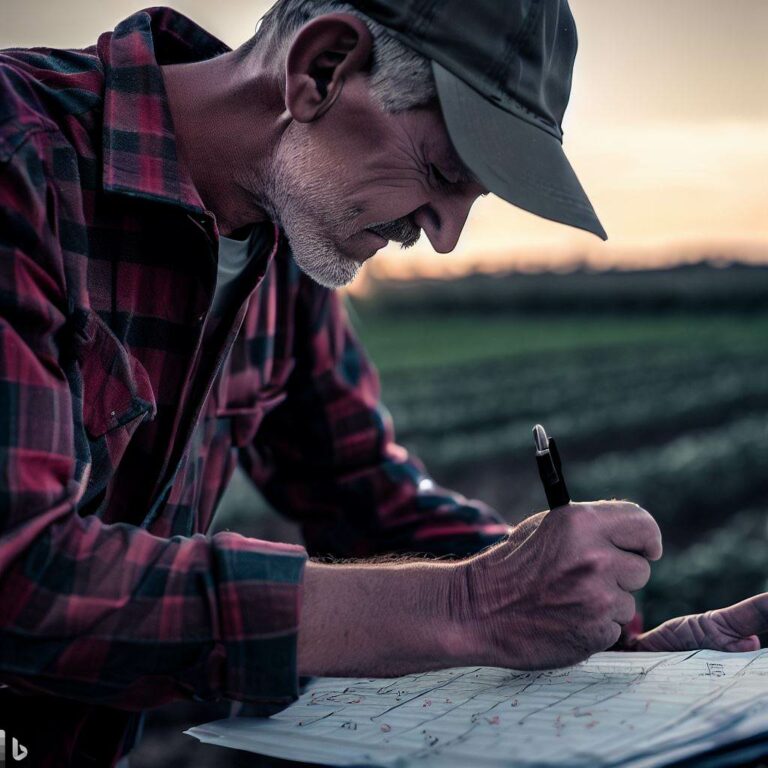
{"type": "Point", "coordinates": [602, 399]}
{"type": "Point", "coordinates": [638, 364]}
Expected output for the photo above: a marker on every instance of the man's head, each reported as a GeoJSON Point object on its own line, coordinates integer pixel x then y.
{"type": "Point", "coordinates": [354, 123]}
{"type": "Point", "coordinates": [365, 156]}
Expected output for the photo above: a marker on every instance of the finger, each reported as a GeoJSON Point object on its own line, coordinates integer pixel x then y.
{"type": "Point", "coordinates": [679, 634]}
{"type": "Point", "coordinates": [744, 619]}
{"type": "Point", "coordinates": [632, 571]}
{"type": "Point", "coordinates": [695, 632]}
{"type": "Point", "coordinates": [624, 609]}
{"type": "Point", "coordinates": [751, 643]}
{"type": "Point", "coordinates": [631, 528]}
{"type": "Point", "coordinates": [613, 638]}
{"type": "Point", "coordinates": [659, 640]}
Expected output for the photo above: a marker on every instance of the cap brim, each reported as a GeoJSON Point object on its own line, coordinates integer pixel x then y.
{"type": "Point", "coordinates": [515, 160]}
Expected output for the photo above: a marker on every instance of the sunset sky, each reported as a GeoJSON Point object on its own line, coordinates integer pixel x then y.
{"type": "Point", "coordinates": [667, 129]}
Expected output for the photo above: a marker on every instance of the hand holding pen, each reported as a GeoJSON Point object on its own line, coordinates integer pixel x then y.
{"type": "Point", "coordinates": [551, 473]}
{"type": "Point", "coordinates": [559, 587]}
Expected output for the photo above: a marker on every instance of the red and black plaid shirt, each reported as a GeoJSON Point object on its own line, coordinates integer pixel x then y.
{"type": "Point", "coordinates": [119, 429]}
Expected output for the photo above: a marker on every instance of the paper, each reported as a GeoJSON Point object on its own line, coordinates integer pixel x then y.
{"type": "Point", "coordinates": [637, 709]}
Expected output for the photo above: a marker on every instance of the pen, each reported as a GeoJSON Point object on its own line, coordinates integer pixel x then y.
{"type": "Point", "coordinates": [550, 469]}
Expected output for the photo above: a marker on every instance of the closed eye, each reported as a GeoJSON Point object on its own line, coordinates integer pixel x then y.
{"type": "Point", "coordinates": [439, 176]}
{"type": "Point", "coordinates": [464, 177]}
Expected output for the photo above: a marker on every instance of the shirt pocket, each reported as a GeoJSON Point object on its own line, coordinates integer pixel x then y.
{"type": "Point", "coordinates": [243, 408]}
{"type": "Point", "coordinates": [117, 396]}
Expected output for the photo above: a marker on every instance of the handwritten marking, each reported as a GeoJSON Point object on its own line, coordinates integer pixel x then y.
{"type": "Point", "coordinates": [714, 669]}
{"type": "Point", "coordinates": [429, 739]}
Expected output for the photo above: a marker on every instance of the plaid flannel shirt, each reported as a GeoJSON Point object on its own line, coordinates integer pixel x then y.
{"type": "Point", "coordinates": [119, 429]}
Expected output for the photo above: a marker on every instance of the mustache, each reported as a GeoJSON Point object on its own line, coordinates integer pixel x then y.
{"type": "Point", "coordinates": [401, 230]}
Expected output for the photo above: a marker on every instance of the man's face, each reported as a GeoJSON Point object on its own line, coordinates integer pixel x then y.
{"type": "Point", "coordinates": [346, 183]}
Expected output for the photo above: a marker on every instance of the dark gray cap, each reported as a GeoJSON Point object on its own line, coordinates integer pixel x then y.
{"type": "Point", "coordinates": [503, 72]}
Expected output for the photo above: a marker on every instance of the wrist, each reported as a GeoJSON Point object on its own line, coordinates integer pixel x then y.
{"type": "Point", "coordinates": [488, 631]}
{"type": "Point", "coordinates": [375, 619]}
{"type": "Point", "coordinates": [457, 616]}
{"type": "Point", "coordinates": [468, 633]}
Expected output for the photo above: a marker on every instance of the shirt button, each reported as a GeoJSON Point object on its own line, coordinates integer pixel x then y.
{"type": "Point", "coordinates": [201, 317]}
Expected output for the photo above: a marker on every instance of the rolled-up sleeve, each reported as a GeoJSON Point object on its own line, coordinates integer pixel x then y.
{"type": "Point", "coordinates": [258, 591]}
{"type": "Point", "coordinates": [109, 614]}
{"type": "Point", "coordinates": [327, 455]}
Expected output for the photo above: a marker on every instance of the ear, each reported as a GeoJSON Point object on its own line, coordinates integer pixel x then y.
{"type": "Point", "coordinates": [324, 53]}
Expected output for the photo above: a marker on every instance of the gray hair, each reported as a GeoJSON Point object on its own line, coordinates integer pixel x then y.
{"type": "Point", "coordinates": [400, 78]}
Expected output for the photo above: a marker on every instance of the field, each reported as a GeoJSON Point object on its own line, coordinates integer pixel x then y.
{"type": "Point", "coordinates": [655, 385]}
{"type": "Point", "coordinates": [669, 412]}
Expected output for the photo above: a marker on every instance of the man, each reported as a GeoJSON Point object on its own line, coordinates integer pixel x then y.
{"type": "Point", "coordinates": [174, 217]}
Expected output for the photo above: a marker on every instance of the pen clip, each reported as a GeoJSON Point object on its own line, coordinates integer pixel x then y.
{"type": "Point", "coordinates": [541, 440]}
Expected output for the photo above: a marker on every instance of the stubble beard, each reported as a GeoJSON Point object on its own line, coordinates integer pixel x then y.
{"type": "Point", "coordinates": [305, 206]}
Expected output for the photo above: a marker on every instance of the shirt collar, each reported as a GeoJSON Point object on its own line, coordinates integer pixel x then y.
{"type": "Point", "coordinates": [140, 155]}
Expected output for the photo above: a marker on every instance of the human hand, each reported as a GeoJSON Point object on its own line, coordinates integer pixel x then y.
{"type": "Point", "coordinates": [520, 532]}
{"type": "Point", "coordinates": [734, 628]}
{"type": "Point", "coordinates": [561, 593]}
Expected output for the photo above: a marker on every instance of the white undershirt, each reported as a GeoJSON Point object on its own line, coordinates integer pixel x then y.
{"type": "Point", "coordinates": [234, 258]}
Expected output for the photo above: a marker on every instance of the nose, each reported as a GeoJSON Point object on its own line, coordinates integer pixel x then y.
{"type": "Point", "coordinates": [443, 220]}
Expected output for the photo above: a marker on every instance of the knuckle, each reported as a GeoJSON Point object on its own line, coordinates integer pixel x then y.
{"type": "Point", "coordinates": [582, 514]}
{"type": "Point", "coordinates": [600, 603]}
{"type": "Point", "coordinates": [641, 515]}
{"type": "Point", "coordinates": [710, 619]}
{"type": "Point", "coordinates": [599, 563]}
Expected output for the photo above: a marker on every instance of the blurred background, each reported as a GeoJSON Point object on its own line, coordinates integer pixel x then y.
{"type": "Point", "coordinates": [646, 356]}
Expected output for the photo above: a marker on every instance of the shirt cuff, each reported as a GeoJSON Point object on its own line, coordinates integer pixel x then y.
{"type": "Point", "coordinates": [258, 585]}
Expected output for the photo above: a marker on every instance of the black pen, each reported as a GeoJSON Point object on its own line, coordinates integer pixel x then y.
{"type": "Point", "coordinates": [550, 469]}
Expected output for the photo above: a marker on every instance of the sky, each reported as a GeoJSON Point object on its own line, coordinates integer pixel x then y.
{"type": "Point", "coordinates": [667, 129]}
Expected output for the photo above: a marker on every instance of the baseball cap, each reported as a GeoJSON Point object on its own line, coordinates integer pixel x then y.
{"type": "Point", "coordinates": [503, 72]}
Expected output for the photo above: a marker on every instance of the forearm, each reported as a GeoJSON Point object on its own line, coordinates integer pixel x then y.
{"type": "Point", "coordinates": [378, 619]}
{"type": "Point", "coordinates": [391, 618]}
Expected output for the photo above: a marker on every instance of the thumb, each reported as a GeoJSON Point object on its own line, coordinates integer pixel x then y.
{"type": "Point", "coordinates": [744, 619]}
